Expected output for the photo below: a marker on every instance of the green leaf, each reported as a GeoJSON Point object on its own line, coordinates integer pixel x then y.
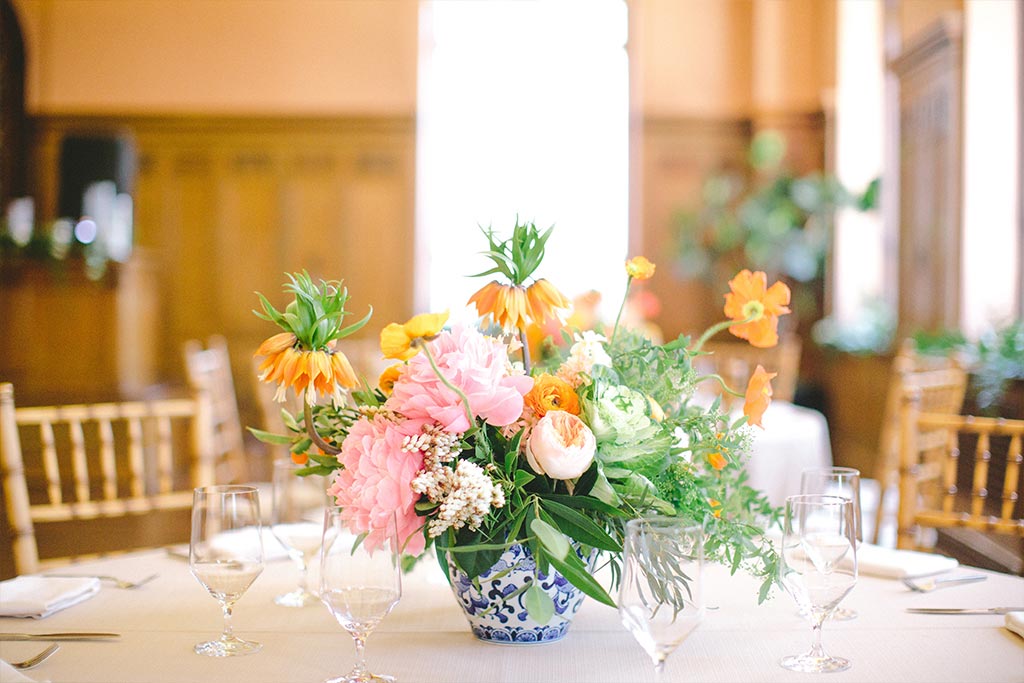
{"type": "Point", "coordinates": [585, 503]}
{"type": "Point", "coordinates": [582, 579]}
{"type": "Point", "coordinates": [301, 446]}
{"type": "Point", "coordinates": [580, 527]}
{"type": "Point", "coordinates": [552, 540]}
{"type": "Point", "coordinates": [268, 437]}
{"type": "Point", "coordinates": [538, 604]}
{"type": "Point", "coordinates": [523, 478]}
{"type": "Point", "coordinates": [314, 469]}
{"type": "Point", "coordinates": [354, 327]}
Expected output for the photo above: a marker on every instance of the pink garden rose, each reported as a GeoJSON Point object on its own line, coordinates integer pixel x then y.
{"type": "Point", "coordinates": [475, 363]}
{"type": "Point", "coordinates": [377, 480]}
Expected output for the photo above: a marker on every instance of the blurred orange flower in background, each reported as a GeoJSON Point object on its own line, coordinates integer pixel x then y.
{"type": "Point", "coordinates": [753, 300]}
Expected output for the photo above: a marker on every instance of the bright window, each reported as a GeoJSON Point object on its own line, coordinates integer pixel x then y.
{"type": "Point", "coordinates": [523, 111]}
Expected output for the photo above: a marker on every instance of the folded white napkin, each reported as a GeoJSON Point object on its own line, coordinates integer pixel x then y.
{"type": "Point", "coordinates": [8, 674]}
{"type": "Point", "coordinates": [41, 596]}
{"type": "Point", "coordinates": [1015, 622]}
{"type": "Point", "coordinates": [874, 560]}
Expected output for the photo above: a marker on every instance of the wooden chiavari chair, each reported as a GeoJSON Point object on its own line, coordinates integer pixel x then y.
{"type": "Point", "coordinates": [98, 462]}
{"type": "Point", "coordinates": [957, 471]}
{"type": "Point", "coordinates": [735, 362]}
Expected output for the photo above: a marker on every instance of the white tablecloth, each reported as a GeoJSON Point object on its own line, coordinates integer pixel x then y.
{"type": "Point", "coordinates": [794, 439]}
{"type": "Point", "coordinates": [426, 639]}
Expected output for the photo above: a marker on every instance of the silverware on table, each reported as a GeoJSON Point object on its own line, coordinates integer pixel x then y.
{"type": "Point", "coordinates": [968, 610]}
{"type": "Point", "coordinates": [930, 583]}
{"type": "Point", "coordinates": [80, 635]}
{"type": "Point", "coordinates": [37, 660]}
{"type": "Point", "coordinates": [120, 583]}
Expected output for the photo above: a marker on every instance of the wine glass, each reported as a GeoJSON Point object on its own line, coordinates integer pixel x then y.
{"type": "Point", "coordinates": [297, 519]}
{"type": "Point", "coordinates": [660, 595]}
{"type": "Point", "coordinates": [226, 555]}
{"type": "Point", "coordinates": [360, 583]}
{"type": "Point", "coordinates": [818, 567]}
{"type": "Point", "coordinates": [845, 483]}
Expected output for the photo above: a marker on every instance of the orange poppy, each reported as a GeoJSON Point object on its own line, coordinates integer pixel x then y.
{"type": "Point", "coordinates": [758, 396]}
{"type": "Point", "coordinates": [751, 299]}
{"type": "Point", "coordinates": [551, 393]}
{"type": "Point", "coordinates": [717, 460]}
{"type": "Point", "coordinates": [716, 507]}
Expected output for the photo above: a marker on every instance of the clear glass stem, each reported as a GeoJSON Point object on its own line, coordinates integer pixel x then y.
{"type": "Point", "coordinates": [359, 670]}
{"type": "Point", "coordinates": [816, 649]}
{"type": "Point", "coordinates": [659, 668]}
{"type": "Point", "coordinates": [303, 578]}
{"type": "Point", "coordinates": [229, 632]}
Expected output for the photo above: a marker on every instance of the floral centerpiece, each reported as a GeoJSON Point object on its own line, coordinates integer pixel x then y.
{"type": "Point", "coordinates": [508, 465]}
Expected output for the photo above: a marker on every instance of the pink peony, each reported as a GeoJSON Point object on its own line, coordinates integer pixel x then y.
{"type": "Point", "coordinates": [475, 363]}
{"type": "Point", "coordinates": [377, 480]}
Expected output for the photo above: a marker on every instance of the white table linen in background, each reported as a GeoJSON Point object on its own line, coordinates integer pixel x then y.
{"type": "Point", "coordinates": [426, 639]}
{"type": "Point", "coordinates": [40, 596]}
{"type": "Point", "coordinates": [794, 439]}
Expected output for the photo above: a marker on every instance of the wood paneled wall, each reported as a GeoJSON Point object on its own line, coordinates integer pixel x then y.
{"type": "Point", "coordinates": [225, 207]}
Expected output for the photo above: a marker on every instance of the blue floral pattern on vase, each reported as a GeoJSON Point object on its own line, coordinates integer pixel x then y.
{"type": "Point", "coordinates": [495, 619]}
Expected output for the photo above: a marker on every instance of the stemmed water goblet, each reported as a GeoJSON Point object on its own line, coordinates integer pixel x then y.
{"type": "Point", "coordinates": [360, 583]}
{"type": "Point", "coordinates": [226, 555]}
{"type": "Point", "coordinates": [660, 594]}
{"type": "Point", "coordinates": [845, 483]}
{"type": "Point", "coordinates": [818, 568]}
{"type": "Point", "coordinates": [297, 518]}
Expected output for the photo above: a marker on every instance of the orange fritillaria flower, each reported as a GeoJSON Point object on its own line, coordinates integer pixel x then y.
{"type": "Point", "coordinates": [758, 396]}
{"type": "Point", "coordinates": [551, 393]}
{"type": "Point", "coordinates": [513, 307]}
{"type": "Point", "coordinates": [752, 299]}
{"type": "Point", "coordinates": [639, 268]}
{"type": "Point", "coordinates": [309, 373]}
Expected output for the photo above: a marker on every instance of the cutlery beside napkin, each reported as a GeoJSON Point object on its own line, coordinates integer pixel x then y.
{"type": "Point", "coordinates": [40, 596]}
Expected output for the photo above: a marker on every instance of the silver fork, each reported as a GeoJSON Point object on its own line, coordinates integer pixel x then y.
{"type": "Point", "coordinates": [37, 660]}
{"type": "Point", "coordinates": [119, 583]}
{"type": "Point", "coordinates": [928, 584]}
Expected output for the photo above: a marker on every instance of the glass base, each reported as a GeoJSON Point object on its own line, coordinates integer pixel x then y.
{"type": "Point", "coordinates": [297, 598]}
{"type": "Point", "coordinates": [356, 676]}
{"type": "Point", "coordinates": [843, 614]}
{"type": "Point", "coordinates": [227, 647]}
{"type": "Point", "coordinates": [812, 664]}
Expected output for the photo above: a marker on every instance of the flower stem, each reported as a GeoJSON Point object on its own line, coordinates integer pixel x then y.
{"type": "Point", "coordinates": [718, 327]}
{"type": "Point", "coordinates": [526, 350]}
{"type": "Point", "coordinates": [311, 430]}
{"type": "Point", "coordinates": [444, 380]}
{"type": "Point", "coordinates": [622, 307]}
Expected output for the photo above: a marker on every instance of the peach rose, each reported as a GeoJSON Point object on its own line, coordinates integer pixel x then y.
{"type": "Point", "coordinates": [560, 446]}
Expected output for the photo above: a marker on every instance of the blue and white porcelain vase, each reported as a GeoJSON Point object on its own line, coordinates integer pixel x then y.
{"type": "Point", "coordinates": [497, 619]}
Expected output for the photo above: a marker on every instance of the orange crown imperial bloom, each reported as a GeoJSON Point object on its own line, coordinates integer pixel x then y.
{"type": "Point", "coordinates": [758, 396]}
{"type": "Point", "coordinates": [751, 299]}
{"type": "Point", "coordinates": [551, 393]}
{"type": "Point", "coordinates": [639, 268]}
{"type": "Point", "coordinates": [396, 341]}
{"type": "Point", "coordinates": [513, 307]}
{"type": "Point", "coordinates": [307, 372]}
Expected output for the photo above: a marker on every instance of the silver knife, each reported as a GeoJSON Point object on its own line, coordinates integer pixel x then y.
{"type": "Point", "coordinates": [952, 610]}
{"type": "Point", "coordinates": [82, 635]}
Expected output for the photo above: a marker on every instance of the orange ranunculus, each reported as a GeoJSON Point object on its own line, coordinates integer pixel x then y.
{"type": "Point", "coordinates": [389, 377]}
{"type": "Point", "coordinates": [752, 299]}
{"type": "Point", "coordinates": [758, 396]}
{"type": "Point", "coordinates": [396, 341]}
{"type": "Point", "coordinates": [717, 460]}
{"type": "Point", "coordinates": [639, 268]}
{"type": "Point", "coordinates": [514, 306]}
{"type": "Point", "coordinates": [551, 393]}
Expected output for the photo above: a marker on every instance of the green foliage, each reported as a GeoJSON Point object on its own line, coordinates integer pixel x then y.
{"type": "Point", "coordinates": [518, 256]}
{"type": "Point", "coordinates": [315, 314]}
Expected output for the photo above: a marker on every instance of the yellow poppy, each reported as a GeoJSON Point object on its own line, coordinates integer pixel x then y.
{"type": "Point", "coordinates": [396, 341]}
{"type": "Point", "coordinates": [753, 300]}
{"type": "Point", "coordinates": [639, 268]}
{"type": "Point", "coordinates": [717, 460]}
{"type": "Point", "coordinates": [389, 377]}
